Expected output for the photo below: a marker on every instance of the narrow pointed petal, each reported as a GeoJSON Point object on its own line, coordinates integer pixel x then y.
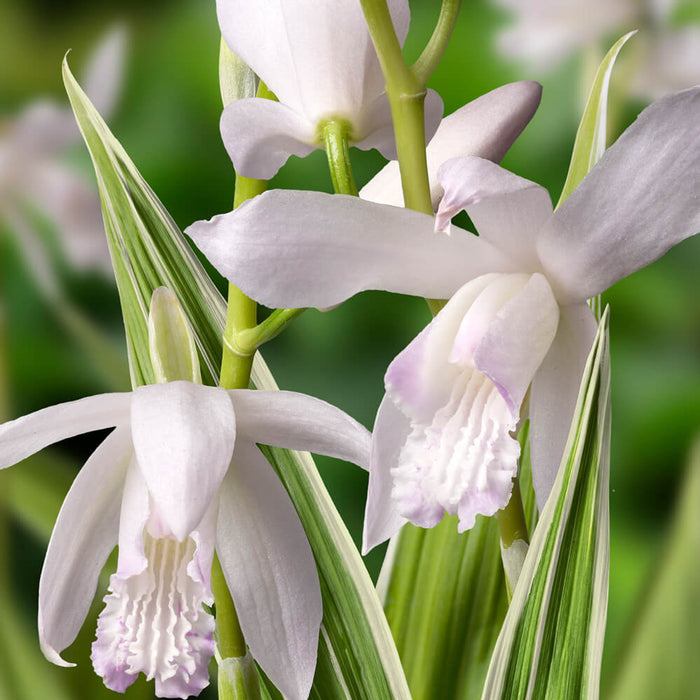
{"type": "Point", "coordinates": [103, 77]}
{"type": "Point", "coordinates": [183, 439]}
{"type": "Point", "coordinates": [554, 392]}
{"type": "Point", "coordinates": [639, 200]}
{"type": "Point", "coordinates": [507, 210]}
{"type": "Point", "coordinates": [83, 537]}
{"type": "Point", "coordinates": [300, 422]}
{"type": "Point", "coordinates": [287, 249]}
{"type": "Point", "coordinates": [29, 434]}
{"type": "Point", "coordinates": [485, 127]}
{"type": "Point", "coordinates": [382, 520]}
{"type": "Point", "coordinates": [270, 571]}
{"type": "Point", "coordinates": [260, 135]}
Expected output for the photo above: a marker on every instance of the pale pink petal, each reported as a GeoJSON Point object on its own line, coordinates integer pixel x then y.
{"type": "Point", "coordinates": [485, 127]}
{"type": "Point", "coordinates": [507, 210]}
{"type": "Point", "coordinates": [639, 200]}
{"type": "Point", "coordinates": [260, 135]}
{"type": "Point", "coordinates": [460, 385]}
{"type": "Point", "coordinates": [518, 339]}
{"type": "Point", "coordinates": [83, 537]}
{"type": "Point", "coordinates": [554, 392]}
{"type": "Point", "coordinates": [29, 434]}
{"type": "Point", "coordinates": [73, 207]}
{"type": "Point", "coordinates": [289, 249]}
{"type": "Point", "coordinates": [382, 520]}
{"type": "Point", "coordinates": [183, 439]}
{"type": "Point", "coordinates": [103, 75]}
{"type": "Point", "coordinates": [300, 422]}
{"type": "Point", "coordinates": [270, 571]}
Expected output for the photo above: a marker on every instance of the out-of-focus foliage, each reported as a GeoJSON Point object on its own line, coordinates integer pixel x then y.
{"type": "Point", "coordinates": [168, 123]}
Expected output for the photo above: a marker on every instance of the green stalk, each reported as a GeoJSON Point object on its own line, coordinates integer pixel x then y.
{"type": "Point", "coordinates": [248, 340]}
{"type": "Point", "coordinates": [335, 134]}
{"type": "Point", "coordinates": [406, 90]}
{"type": "Point", "coordinates": [241, 315]}
{"type": "Point", "coordinates": [511, 520]}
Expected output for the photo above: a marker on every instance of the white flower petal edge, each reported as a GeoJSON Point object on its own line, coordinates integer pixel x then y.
{"type": "Point", "coordinates": [83, 537]}
{"type": "Point", "coordinates": [288, 248]}
{"type": "Point", "coordinates": [319, 60]}
{"type": "Point", "coordinates": [270, 571]}
{"type": "Point", "coordinates": [485, 127]}
{"type": "Point", "coordinates": [638, 202]}
{"type": "Point", "coordinates": [289, 419]}
{"type": "Point", "coordinates": [24, 436]}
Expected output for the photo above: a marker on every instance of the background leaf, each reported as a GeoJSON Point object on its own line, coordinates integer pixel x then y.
{"type": "Point", "coordinates": [663, 648]}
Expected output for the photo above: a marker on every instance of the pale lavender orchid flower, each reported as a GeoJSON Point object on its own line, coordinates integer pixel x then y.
{"type": "Point", "coordinates": [665, 57]}
{"type": "Point", "coordinates": [33, 179]}
{"type": "Point", "coordinates": [517, 316]}
{"type": "Point", "coordinates": [318, 59]}
{"type": "Point", "coordinates": [179, 477]}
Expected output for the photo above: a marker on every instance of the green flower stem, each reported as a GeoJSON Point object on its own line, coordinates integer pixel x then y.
{"type": "Point", "coordinates": [235, 374]}
{"type": "Point", "coordinates": [335, 135]}
{"type": "Point", "coordinates": [248, 340]}
{"type": "Point", "coordinates": [406, 90]}
{"type": "Point", "coordinates": [428, 61]}
{"type": "Point", "coordinates": [231, 641]}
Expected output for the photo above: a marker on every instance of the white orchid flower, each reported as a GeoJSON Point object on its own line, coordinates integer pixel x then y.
{"type": "Point", "coordinates": [517, 315]}
{"type": "Point", "coordinates": [33, 180]}
{"type": "Point", "coordinates": [179, 477]}
{"type": "Point", "coordinates": [545, 32]}
{"type": "Point", "coordinates": [319, 61]}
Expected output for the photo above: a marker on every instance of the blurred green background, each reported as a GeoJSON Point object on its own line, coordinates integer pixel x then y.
{"type": "Point", "coordinates": [168, 122]}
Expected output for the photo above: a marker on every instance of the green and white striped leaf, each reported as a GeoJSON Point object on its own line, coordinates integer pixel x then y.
{"type": "Point", "coordinates": [357, 656]}
{"type": "Point", "coordinates": [591, 137]}
{"type": "Point", "coordinates": [445, 599]}
{"type": "Point", "coordinates": [551, 644]}
{"type": "Point", "coordinates": [661, 658]}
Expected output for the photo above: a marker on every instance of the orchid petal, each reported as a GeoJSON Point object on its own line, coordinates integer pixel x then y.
{"type": "Point", "coordinates": [103, 75]}
{"type": "Point", "coordinates": [84, 535]}
{"type": "Point", "coordinates": [261, 134]}
{"type": "Point", "coordinates": [74, 208]}
{"type": "Point", "coordinates": [518, 339]}
{"type": "Point", "coordinates": [639, 200]}
{"type": "Point", "coordinates": [287, 249]}
{"type": "Point", "coordinates": [317, 58]}
{"type": "Point", "coordinates": [507, 210]}
{"type": "Point", "coordinates": [485, 127]}
{"type": "Point", "coordinates": [29, 434]}
{"type": "Point", "coordinates": [300, 422]}
{"type": "Point", "coordinates": [270, 571]}
{"type": "Point", "coordinates": [554, 392]}
{"type": "Point", "coordinates": [420, 378]}
{"type": "Point", "coordinates": [382, 520]}
{"type": "Point", "coordinates": [183, 438]}
{"type": "Point", "coordinates": [134, 515]}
